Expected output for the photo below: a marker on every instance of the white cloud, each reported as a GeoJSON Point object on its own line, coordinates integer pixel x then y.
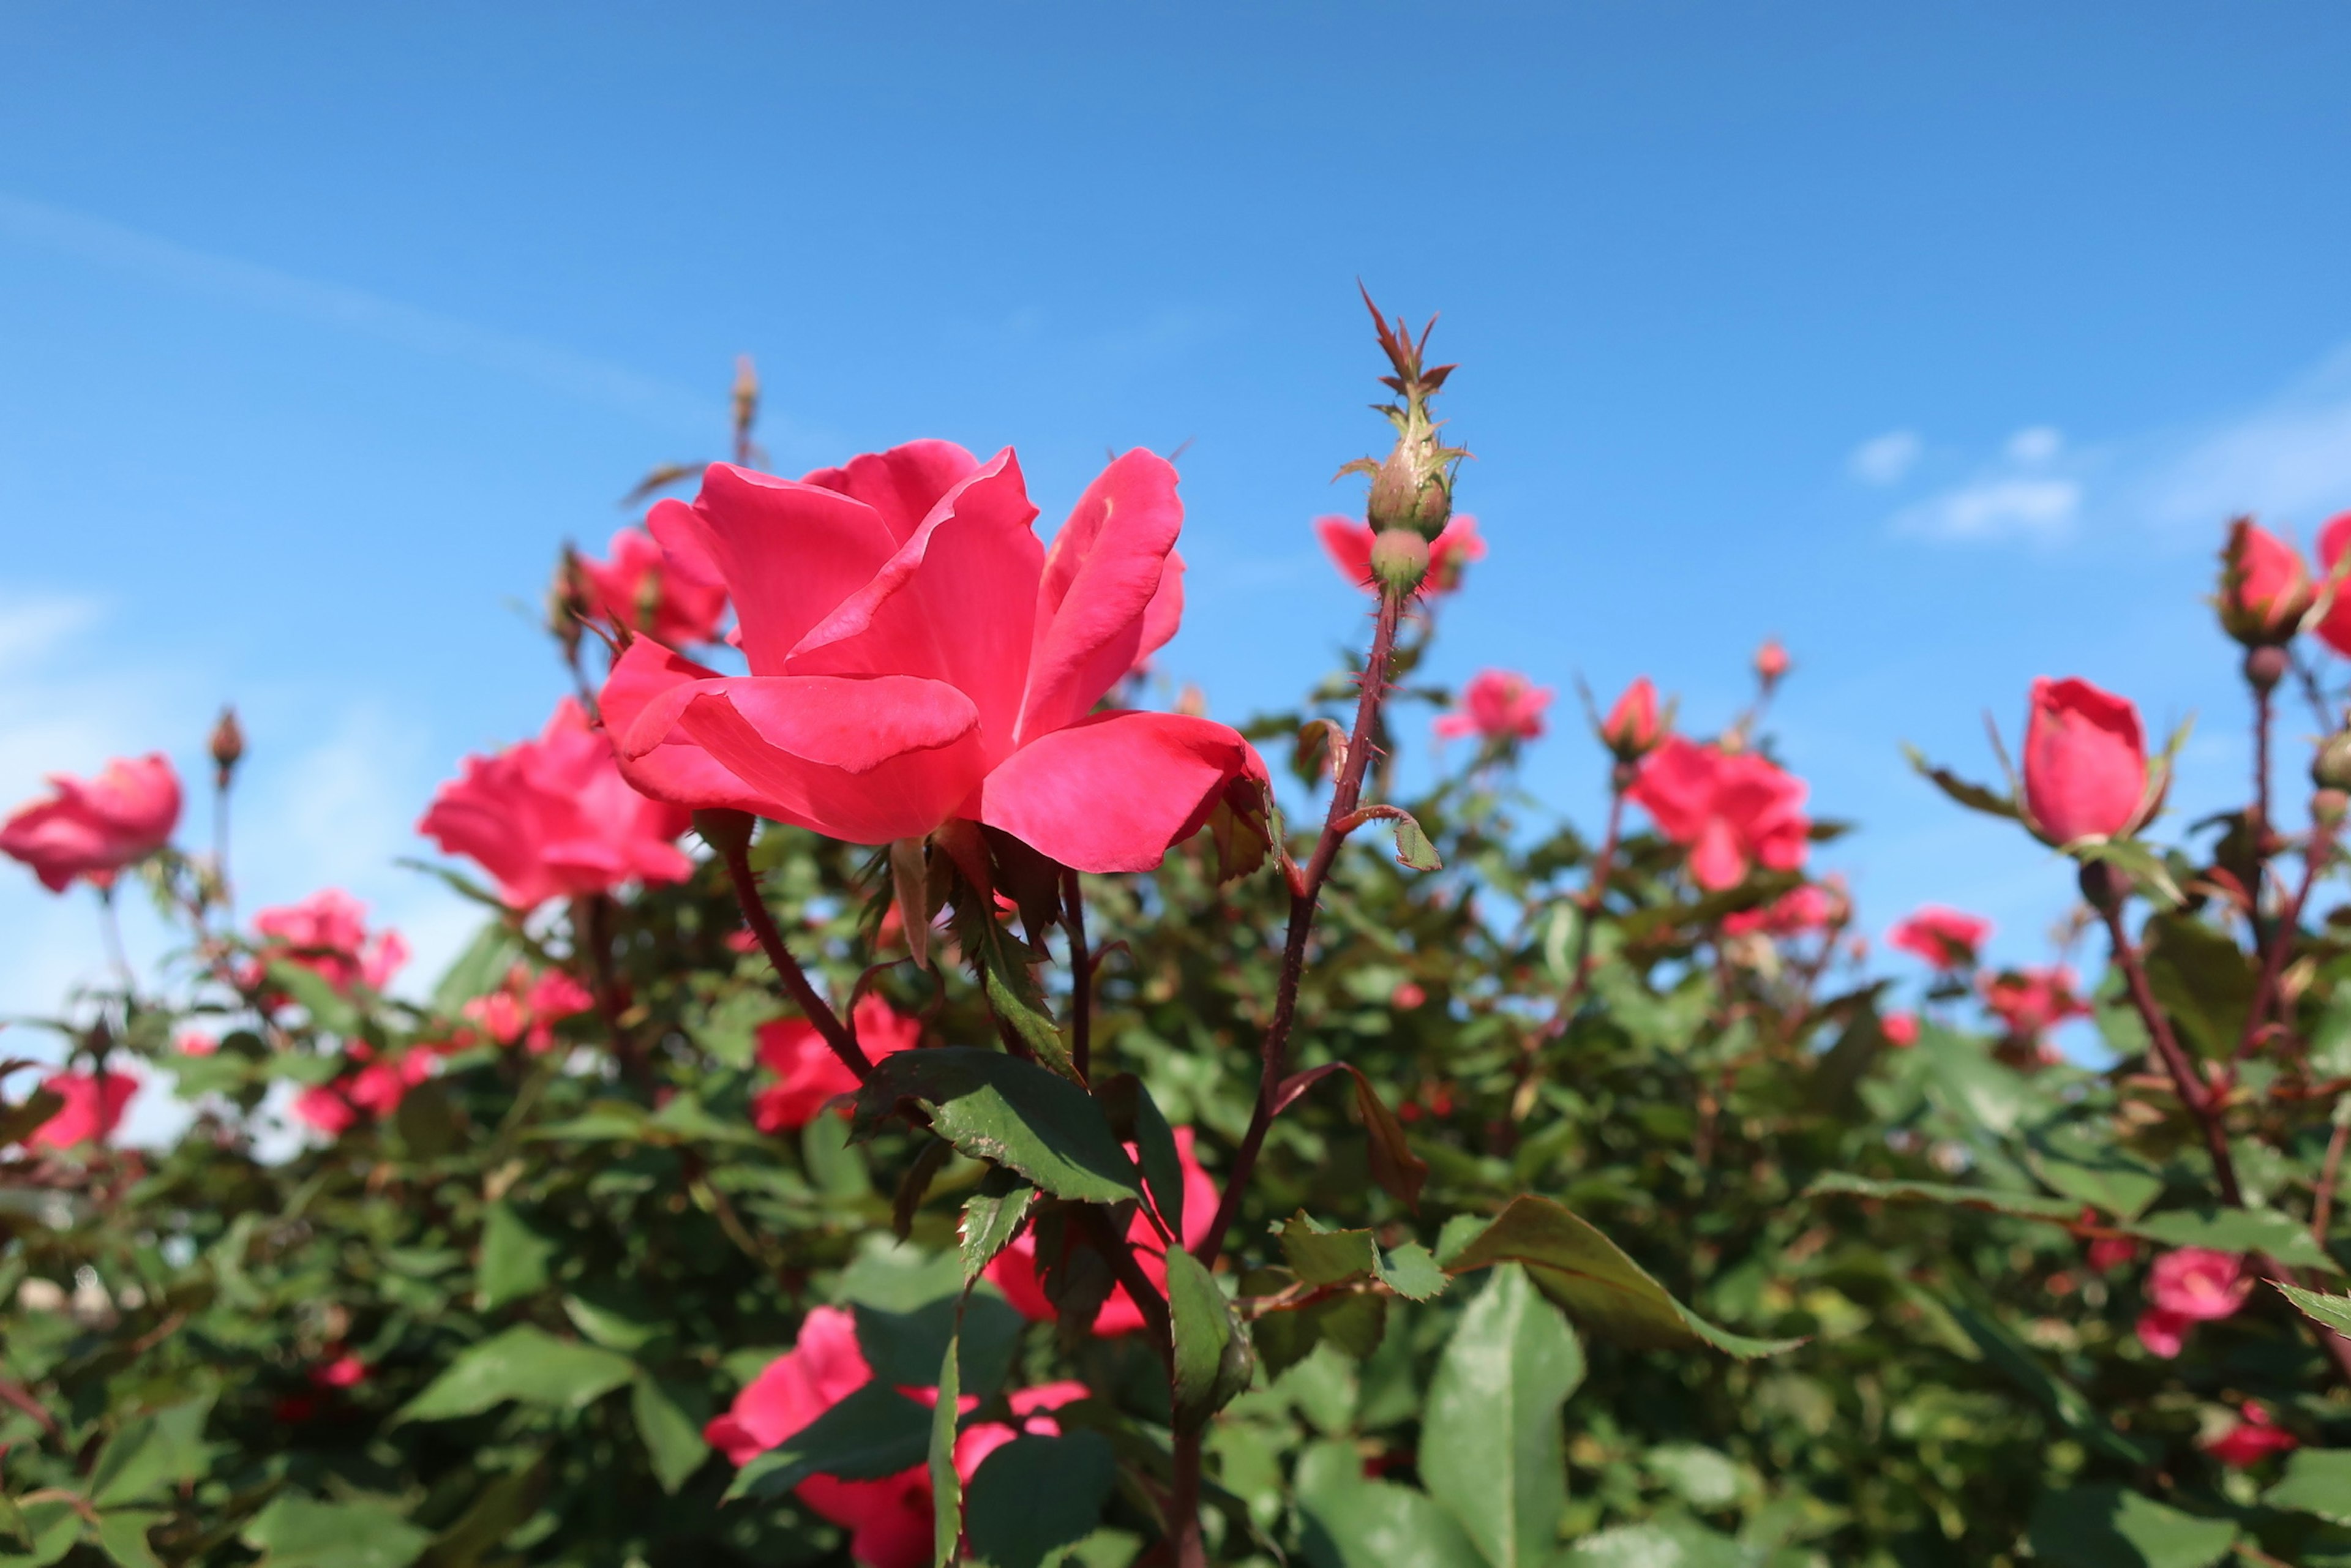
{"type": "Point", "coordinates": [2287, 460]}
{"type": "Point", "coordinates": [2035, 444]}
{"type": "Point", "coordinates": [1885, 459]}
{"type": "Point", "coordinates": [1996, 506]}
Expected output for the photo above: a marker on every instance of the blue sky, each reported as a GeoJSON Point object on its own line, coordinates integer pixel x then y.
{"type": "Point", "coordinates": [1938, 339]}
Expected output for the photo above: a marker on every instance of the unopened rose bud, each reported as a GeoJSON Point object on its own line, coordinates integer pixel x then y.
{"type": "Point", "coordinates": [2331, 769]}
{"type": "Point", "coordinates": [1410, 489]}
{"type": "Point", "coordinates": [1770, 661]}
{"type": "Point", "coordinates": [1631, 728]}
{"type": "Point", "coordinates": [2266, 591]}
{"type": "Point", "coordinates": [227, 746]}
{"type": "Point", "coordinates": [2327, 808]}
{"type": "Point", "coordinates": [1399, 560]}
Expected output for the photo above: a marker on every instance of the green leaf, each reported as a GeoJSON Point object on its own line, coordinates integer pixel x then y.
{"type": "Point", "coordinates": [123, 1536]}
{"type": "Point", "coordinates": [1491, 1449]}
{"type": "Point", "coordinates": [947, 1483]}
{"type": "Point", "coordinates": [15, 1534]}
{"type": "Point", "coordinates": [2330, 1042]}
{"type": "Point", "coordinates": [1035, 1495]}
{"type": "Point", "coordinates": [1321, 1257]}
{"type": "Point", "coordinates": [1348, 1522]}
{"type": "Point", "coordinates": [152, 1454]}
{"type": "Point", "coordinates": [2318, 1481]}
{"type": "Point", "coordinates": [329, 1008]}
{"type": "Point", "coordinates": [478, 969]}
{"type": "Point", "coordinates": [2000, 1347]}
{"type": "Point", "coordinates": [526, 1365]}
{"type": "Point", "coordinates": [514, 1259]}
{"type": "Point", "coordinates": [1213, 1357]}
{"type": "Point", "coordinates": [2327, 1311]}
{"type": "Point", "coordinates": [1587, 1274]}
{"type": "Point", "coordinates": [1135, 1116]}
{"type": "Point", "coordinates": [54, 1524]}
{"type": "Point", "coordinates": [903, 1347]}
{"type": "Point", "coordinates": [992, 1217]}
{"type": "Point", "coordinates": [915, 1184]}
{"type": "Point", "coordinates": [875, 1432]}
{"type": "Point", "coordinates": [1670, 1542]}
{"type": "Point", "coordinates": [2106, 1526]}
{"type": "Point", "coordinates": [1394, 1167]}
{"type": "Point", "coordinates": [1007, 974]}
{"type": "Point", "coordinates": [1007, 1112]}
{"type": "Point", "coordinates": [2203, 979]}
{"type": "Point", "coordinates": [1411, 846]}
{"type": "Point", "coordinates": [2098, 1174]}
{"type": "Point", "coordinates": [1412, 1272]}
{"type": "Point", "coordinates": [670, 1430]}
{"type": "Point", "coordinates": [2239, 1230]}
{"type": "Point", "coordinates": [298, 1532]}
{"type": "Point", "coordinates": [611, 1326]}
{"type": "Point", "coordinates": [495, 1513]}
{"type": "Point", "coordinates": [2024, 1204]}
{"type": "Point", "coordinates": [1974, 797]}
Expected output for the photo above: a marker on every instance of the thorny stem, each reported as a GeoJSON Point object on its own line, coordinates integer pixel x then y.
{"type": "Point", "coordinates": [1082, 975]}
{"type": "Point", "coordinates": [2316, 852]}
{"type": "Point", "coordinates": [1184, 1502]}
{"type": "Point", "coordinates": [110, 927]}
{"type": "Point", "coordinates": [1274, 1056]}
{"type": "Point", "coordinates": [788, 969]}
{"type": "Point", "coordinates": [220, 847]}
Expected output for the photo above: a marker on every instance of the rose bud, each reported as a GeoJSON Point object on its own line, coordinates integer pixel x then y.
{"type": "Point", "coordinates": [227, 746]}
{"type": "Point", "coordinates": [1631, 728]}
{"type": "Point", "coordinates": [1770, 661]}
{"type": "Point", "coordinates": [2265, 589]}
{"type": "Point", "coordinates": [1399, 560]}
{"type": "Point", "coordinates": [2085, 773]}
{"type": "Point", "coordinates": [2331, 769]}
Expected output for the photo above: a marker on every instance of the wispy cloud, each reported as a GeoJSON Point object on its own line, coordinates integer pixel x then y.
{"type": "Point", "coordinates": [2030, 491]}
{"type": "Point", "coordinates": [2287, 459]}
{"type": "Point", "coordinates": [1885, 459]}
{"type": "Point", "coordinates": [246, 283]}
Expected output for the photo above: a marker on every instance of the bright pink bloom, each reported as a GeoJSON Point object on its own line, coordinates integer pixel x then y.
{"type": "Point", "coordinates": [2084, 762]}
{"type": "Point", "coordinates": [346, 1371]}
{"type": "Point", "coordinates": [1498, 705]}
{"type": "Point", "coordinates": [1811, 907]}
{"type": "Point", "coordinates": [917, 656]}
{"type": "Point", "coordinates": [195, 1043]}
{"type": "Point", "coordinates": [2335, 631]}
{"type": "Point", "coordinates": [2199, 1283]}
{"type": "Point", "coordinates": [1899, 1028]}
{"type": "Point", "coordinates": [2252, 1440]}
{"type": "Point", "coordinates": [323, 1107]}
{"type": "Point", "coordinates": [1770, 661]}
{"type": "Point", "coordinates": [2028, 1001]}
{"type": "Point", "coordinates": [1407, 996]}
{"type": "Point", "coordinates": [2163, 1333]}
{"type": "Point", "coordinates": [1015, 1269]}
{"type": "Point", "coordinates": [1348, 542]}
{"type": "Point", "coordinates": [1631, 728]}
{"type": "Point", "coordinates": [326, 934]}
{"type": "Point", "coordinates": [2274, 589]}
{"type": "Point", "coordinates": [525, 1004]}
{"type": "Point", "coordinates": [500, 1013]}
{"type": "Point", "coordinates": [552, 818]}
{"type": "Point", "coordinates": [2110, 1251]}
{"type": "Point", "coordinates": [662, 599]}
{"type": "Point", "coordinates": [811, 1075]}
{"type": "Point", "coordinates": [91, 1111]}
{"type": "Point", "coordinates": [1730, 809]}
{"type": "Point", "coordinates": [1944, 937]}
{"type": "Point", "coordinates": [889, 1520]}
{"type": "Point", "coordinates": [93, 828]}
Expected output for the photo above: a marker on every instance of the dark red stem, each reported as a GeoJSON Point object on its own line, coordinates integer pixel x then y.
{"type": "Point", "coordinates": [810, 1002]}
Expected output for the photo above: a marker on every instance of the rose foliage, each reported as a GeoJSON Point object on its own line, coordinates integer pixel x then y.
{"type": "Point", "coordinates": [910, 1102]}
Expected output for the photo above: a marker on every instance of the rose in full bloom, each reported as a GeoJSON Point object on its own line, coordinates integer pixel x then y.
{"type": "Point", "coordinates": [889, 1520]}
{"type": "Point", "coordinates": [2030, 1001]}
{"type": "Point", "coordinates": [1812, 907]}
{"type": "Point", "coordinates": [528, 1007]}
{"type": "Point", "coordinates": [1900, 1028]}
{"type": "Point", "coordinates": [2188, 1286]}
{"type": "Point", "coordinates": [2084, 763]}
{"type": "Point", "coordinates": [552, 818]}
{"type": "Point", "coordinates": [92, 828]}
{"type": "Point", "coordinates": [1730, 809]}
{"type": "Point", "coordinates": [1497, 705]}
{"type": "Point", "coordinates": [2253, 1436]}
{"type": "Point", "coordinates": [2334, 628]}
{"type": "Point", "coordinates": [370, 1085]}
{"type": "Point", "coordinates": [1015, 1269]}
{"type": "Point", "coordinates": [326, 934]}
{"type": "Point", "coordinates": [2265, 589]}
{"type": "Point", "coordinates": [917, 656]}
{"type": "Point", "coordinates": [1630, 730]}
{"type": "Point", "coordinates": [638, 587]}
{"type": "Point", "coordinates": [93, 1107]}
{"type": "Point", "coordinates": [1348, 542]}
{"type": "Point", "coordinates": [809, 1074]}
{"type": "Point", "coordinates": [1946, 939]}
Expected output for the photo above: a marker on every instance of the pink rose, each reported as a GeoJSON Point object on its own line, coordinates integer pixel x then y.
{"type": "Point", "coordinates": [2163, 1333]}
{"type": "Point", "coordinates": [1407, 996]}
{"type": "Point", "coordinates": [326, 934]}
{"type": "Point", "coordinates": [324, 1107]}
{"type": "Point", "coordinates": [810, 1074]}
{"type": "Point", "coordinates": [2084, 763]}
{"type": "Point", "coordinates": [1812, 907]}
{"type": "Point", "coordinates": [1729, 810]}
{"type": "Point", "coordinates": [346, 1371]}
{"type": "Point", "coordinates": [2335, 631]}
{"type": "Point", "coordinates": [91, 829]}
{"type": "Point", "coordinates": [1770, 661]}
{"type": "Point", "coordinates": [1497, 705]}
{"type": "Point", "coordinates": [1630, 730]}
{"type": "Point", "coordinates": [2252, 1438]}
{"type": "Point", "coordinates": [2265, 588]}
{"type": "Point", "coordinates": [664, 600]}
{"type": "Point", "coordinates": [2199, 1283]}
{"type": "Point", "coordinates": [2028, 1001]}
{"type": "Point", "coordinates": [1944, 937]}
{"type": "Point", "coordinates": [93, 1108]}
{"type": "Point", "coordinates": [1015, 1269]}
{"type": "Point", "coordinates": [889, 1520]}
{"type": "Point", "coordinates": [553, 818]}
{"type": "Point", "coordinates": [917, 656]}
{"type": "Point", "coordinates": [1348, 542]}
{"type": "Point", "coordinates": [1899, 1028]}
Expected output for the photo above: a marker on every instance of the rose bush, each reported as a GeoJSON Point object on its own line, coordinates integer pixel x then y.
{"type": "Point", "coordinates": [1028, 1144]}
